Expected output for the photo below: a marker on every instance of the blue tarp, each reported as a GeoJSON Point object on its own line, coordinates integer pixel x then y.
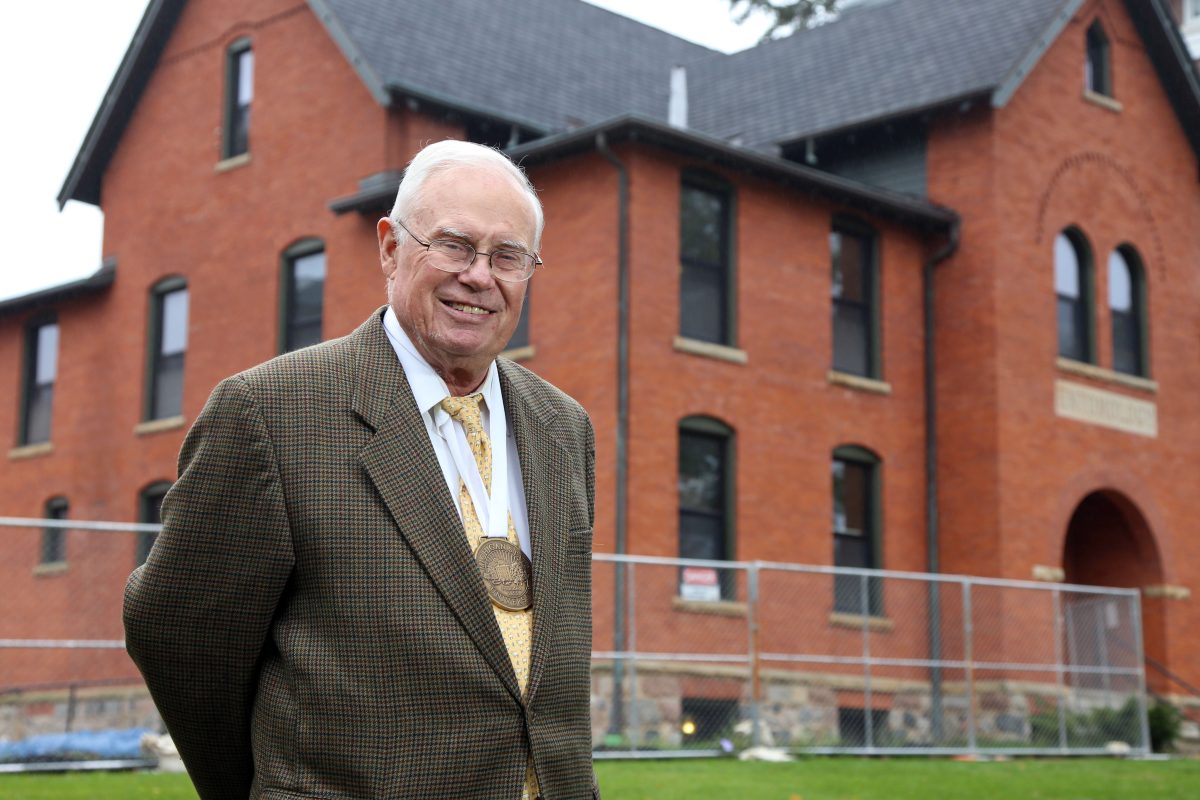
{"type": "Point", "coordinates": [95, 744]}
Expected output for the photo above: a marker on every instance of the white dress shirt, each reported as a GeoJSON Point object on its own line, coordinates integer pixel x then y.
{"type": "Point", "coordinates": [449, 440]}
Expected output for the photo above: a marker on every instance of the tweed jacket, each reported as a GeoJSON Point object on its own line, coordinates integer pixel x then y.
{"type": "Point", "coordinates": [311, 621]}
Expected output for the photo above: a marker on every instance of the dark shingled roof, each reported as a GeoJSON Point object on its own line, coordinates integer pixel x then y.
{"type": "Point", "coordinates": [548, 64]}
{"type": "Point", "coordinates": [553, 65]}
{"type": "Point", "coordinates": [877, 60]}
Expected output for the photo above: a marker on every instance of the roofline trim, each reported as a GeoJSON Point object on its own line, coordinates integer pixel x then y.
{"type": "Point", "coordinates": [889, 204]}
{"type": "Point", "coordinates": [1008, 87]}
{"type": "Point", "coordinates": [98, 281]}
{"type": "Point", "coordinates": [374, 84]}
{"type": "Point", "coordinates": [462, 107]}
{"type": "Point", "coordinates": [116, 89]}
{"type": "Point", "coordinates": [883, 119]}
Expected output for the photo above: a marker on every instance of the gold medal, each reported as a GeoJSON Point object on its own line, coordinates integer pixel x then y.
{"type": "Point", "coordinates": [506, 572]}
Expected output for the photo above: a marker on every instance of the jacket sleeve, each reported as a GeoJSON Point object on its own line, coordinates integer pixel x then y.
{"type": "Point", "coordinates": [198, 612]}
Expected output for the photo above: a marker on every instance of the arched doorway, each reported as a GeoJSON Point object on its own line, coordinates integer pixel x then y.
{"type": "Point", "coordinates": [1109, 543]}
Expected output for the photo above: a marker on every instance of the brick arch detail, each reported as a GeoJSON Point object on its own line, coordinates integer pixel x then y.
{"type": "Point", "coordinates": [1133, 491]}
{"type": "Point", "coordinates": [1090, 159]}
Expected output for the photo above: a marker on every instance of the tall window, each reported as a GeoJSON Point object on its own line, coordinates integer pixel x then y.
{"type": "Point", "coordinates": [705, 284]}
{"type": "Point", "coordinates": [303, 294]}
{"type": "Point", "coordinates": [168, 346]}
{"type": "Point", "coordinates": [856, 530]}
{"type": "Point", "coordinates": [855, 299]}
{"type": "Point", "coordinates": [1126, 304]}
{"type": "Point", "coordinates": [520, 337]}
{"type": "Point", "coordinates": [1099, 66]}
{"type": "Point", "coordinates": [41, 371]}
{"type": "Point", "coordinates": [239, 92]}
{"type": "Point", "coordinates": [150, 511]}
{"type": "Point", "coordinates": [705, 505]}
{"type": "Point", "coordinates": [1072, 286]}
{"type": "Point", "coordinates": [54, 540]}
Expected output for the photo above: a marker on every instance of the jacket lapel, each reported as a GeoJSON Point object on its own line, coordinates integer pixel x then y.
{"type": "Point", "coordinates": [400, 461]}
{"type": "Point", "coordinates": [542, 458]}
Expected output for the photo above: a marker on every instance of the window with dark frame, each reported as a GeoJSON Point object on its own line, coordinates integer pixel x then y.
{"type": "Point", "coordinates": [168, 347]}
{"type": "Point", "coordinates": [303, 294]}
{"type": "Point", "coordinates": [705, 483]}
{"type": "Point", "coordinates": [854, 292]}
{"type": "Point", "coordinates": [239, 93]}
{"type": "Point", "coordinates": [1099, 65]}
{"type": "Point", "coordinates": [149, 511]}
{"type": "Point", "coordinates": [705, 282]}
{"type": "Point", "coordinates": [54, 540]}
{"type": "Point", "coordinates": [1126, 304]}
{"type": "Point", "coordinates": [1072, 287]}
{"type": "Point", "coordinates": [855, 531]}
{"type": "Point", "coordinates": [520, 337]}
{"type": "Point", "coordinates": [41, 372]}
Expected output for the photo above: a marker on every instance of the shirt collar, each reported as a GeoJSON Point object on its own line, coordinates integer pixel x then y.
{"type": "Point", "coordinates": [428, 388]}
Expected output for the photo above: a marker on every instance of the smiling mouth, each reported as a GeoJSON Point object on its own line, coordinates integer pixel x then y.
{"type": "Point", "coordinates": [467, 308]}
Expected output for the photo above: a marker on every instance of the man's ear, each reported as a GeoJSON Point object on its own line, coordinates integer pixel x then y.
{"type": "Point", "coordinates": [386, 233]}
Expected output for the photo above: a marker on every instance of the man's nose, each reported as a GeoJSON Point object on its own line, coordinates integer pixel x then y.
{"type": "Point", "coordinates": [479, 271]}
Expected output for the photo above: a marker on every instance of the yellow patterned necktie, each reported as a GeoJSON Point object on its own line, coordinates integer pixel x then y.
{"type": "Point", "coordinates": [515, 626]}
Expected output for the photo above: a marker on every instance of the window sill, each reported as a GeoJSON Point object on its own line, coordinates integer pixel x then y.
{"type": "Point", "coordinates": [1107, 375]}
{"type": "Point", "coordinates": [50, 569]}
{"type": "Point", "coordinates": [233, 162]}
{"type": "Point", "coordinates": [520, 353]}
{"type": "Point", "coordinates": [858, 382]}
{"type": "Point", "coordinates": [716, 608]}
{"type": "Point", "coordinates": [30, 451]}
{"type": "Point", "coordinates": [1167, 591]}
{"type": "Point", "coordinates": [1102, 100]}
{"type": "Point", "coordinates": [1041, 572]}
{"type": "Point", "coordinates": [840, 619]}
{"type": "Point", "coordinates": [158, 425]}
{"type": "Point", "coordinates": [720, 352]}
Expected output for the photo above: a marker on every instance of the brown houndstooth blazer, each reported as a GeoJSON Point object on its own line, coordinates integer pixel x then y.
{"type": "Point", "coordinates": [311, 622]}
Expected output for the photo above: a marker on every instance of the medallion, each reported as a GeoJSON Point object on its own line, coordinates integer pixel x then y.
{"type": "Point", "coordinates": [506, 572]}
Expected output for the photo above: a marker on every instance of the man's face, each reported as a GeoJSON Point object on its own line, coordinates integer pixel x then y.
{"type": "Point", "coordinates": [458, 321]}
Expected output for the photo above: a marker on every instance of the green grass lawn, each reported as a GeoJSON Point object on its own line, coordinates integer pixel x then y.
{"type": "Point", "coordinates": [809, 779]}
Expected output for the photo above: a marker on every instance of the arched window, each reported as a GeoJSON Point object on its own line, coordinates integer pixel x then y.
{"type": "Point", "coordinates": [706, 281]}
{"type": "Point", "coordinates": [706, 492]}
{"type": "Point", "coordinates": [168, 345]}
{"type": "Point", "coordinates": [39, 375]}
{"type": "Point", "coordinates": [1099, 64]}
{"type": "Point", "coordinates": [1127, 308]}
{"type": "Point", "coordinates": [1072, 285]}
{"type": "Point", "coordinates": [239, 92]}
{"type": "Point", "coordinates": [303, 300]}
{"type": "Point", "coordinates": [149, 510]}
{"type": "Point", "coordinates": [854, 251]}
{"type": "Point", "coordinates": [857, 529]}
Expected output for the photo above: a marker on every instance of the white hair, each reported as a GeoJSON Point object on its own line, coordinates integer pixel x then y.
{"type": "Point", "coordinates": [441, 156]}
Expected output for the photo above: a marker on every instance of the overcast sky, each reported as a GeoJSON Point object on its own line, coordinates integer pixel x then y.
{"type": "Point", "coordinates": [57, 61]}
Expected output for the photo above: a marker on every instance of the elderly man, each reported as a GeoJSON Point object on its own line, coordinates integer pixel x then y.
{"type": "Point", "coordinates": [374, 574]}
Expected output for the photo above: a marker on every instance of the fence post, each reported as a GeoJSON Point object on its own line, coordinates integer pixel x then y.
{"type": "Point", "coordinates": [868, 704]}
{"type": "Point", "coordinates": [631, 615]}
{"type": "Point", "coordinates": [1058, 668]}
{"type": "Point", "coordinates": [755, 677]}
{"type": "Point", "coordinates": [1135, 612]}
{"type": "Point", "coordinates": [70, 707]}
{"type": "Point", "coordinates": [969, 659]}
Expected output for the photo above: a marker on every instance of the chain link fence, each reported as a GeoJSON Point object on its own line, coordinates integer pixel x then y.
{"type": "Point", "coordinates": [704, 657]}
{"type": "Point", "coordinates": [689, 657]}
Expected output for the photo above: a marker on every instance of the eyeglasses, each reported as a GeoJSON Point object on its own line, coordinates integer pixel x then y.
{"type": "Point", "coordinates": [453, 255]}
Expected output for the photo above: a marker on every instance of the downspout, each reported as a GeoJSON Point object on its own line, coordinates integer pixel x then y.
{"type": "Point", "coordinates": [616, 725]}
{"type": "Point", "coordinates": [931, 481]}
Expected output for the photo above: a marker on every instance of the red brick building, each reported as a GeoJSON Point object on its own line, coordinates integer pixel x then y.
{"type": "Point", "coordinates": [739, 252]}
